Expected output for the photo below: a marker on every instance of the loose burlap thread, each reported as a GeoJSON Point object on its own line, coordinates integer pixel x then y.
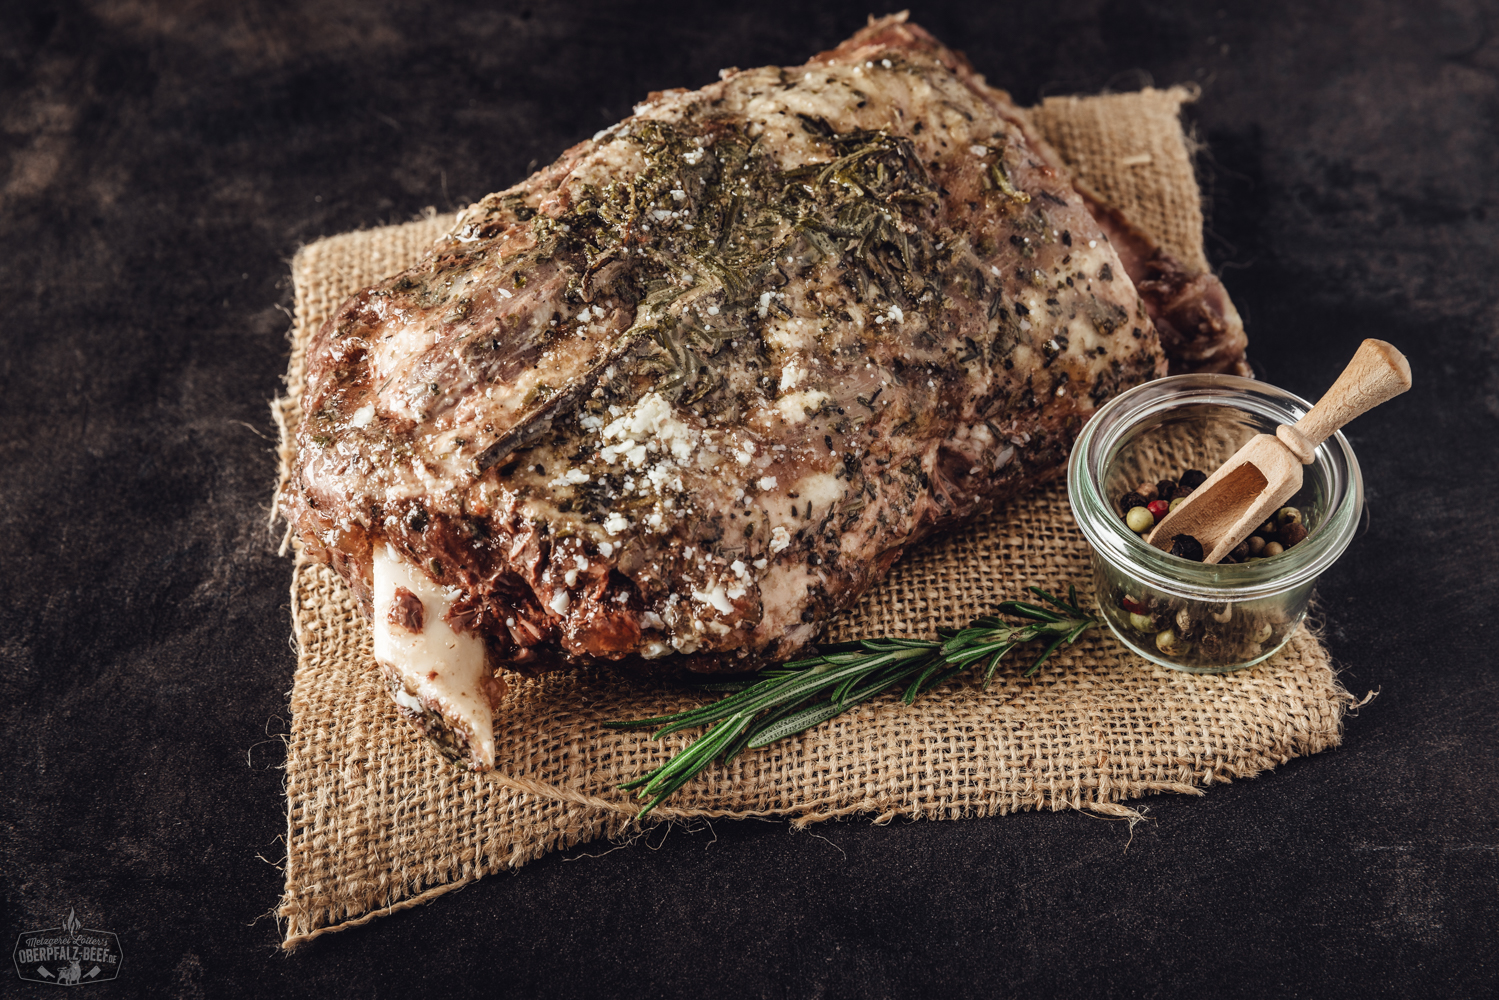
{"type": "Point", "coordinates": [378, 822]}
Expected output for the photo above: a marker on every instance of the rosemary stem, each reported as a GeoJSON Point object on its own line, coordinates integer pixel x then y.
{"type": "Point", "coordinates": [806, 692]}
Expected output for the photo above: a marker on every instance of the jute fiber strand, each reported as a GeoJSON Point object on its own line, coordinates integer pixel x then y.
{"type": "Point", "coordinates": [377, 821]}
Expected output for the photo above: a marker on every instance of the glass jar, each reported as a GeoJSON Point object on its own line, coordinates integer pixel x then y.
{"type": "Point", "coordinates": [1190, 615]}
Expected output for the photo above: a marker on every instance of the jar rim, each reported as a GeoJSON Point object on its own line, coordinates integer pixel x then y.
{"type": "Point", "coordinates": [1101, 437]}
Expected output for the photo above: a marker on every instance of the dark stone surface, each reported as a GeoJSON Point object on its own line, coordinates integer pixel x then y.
{"type": "Point", "coordinates": [159, 164]}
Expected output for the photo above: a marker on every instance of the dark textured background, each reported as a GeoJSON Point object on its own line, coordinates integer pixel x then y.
{"type": "Point", "coordinates": [160, 163]}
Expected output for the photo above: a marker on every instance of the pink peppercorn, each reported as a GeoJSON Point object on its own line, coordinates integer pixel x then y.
{"type": "Point", "coordinates": [1158, 509]}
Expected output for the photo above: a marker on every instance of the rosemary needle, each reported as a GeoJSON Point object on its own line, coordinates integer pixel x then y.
{"type": "Point", "coordinates": [795, 696]}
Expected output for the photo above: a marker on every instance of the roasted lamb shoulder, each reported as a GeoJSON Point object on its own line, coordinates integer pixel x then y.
{"type": "Point", "coordinates": [689, 391]}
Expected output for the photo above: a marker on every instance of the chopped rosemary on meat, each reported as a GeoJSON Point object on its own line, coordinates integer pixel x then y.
{"type": "Point", "coordinates": [733, 227]}
{"type": "Point", "coordinates": [803, 693]}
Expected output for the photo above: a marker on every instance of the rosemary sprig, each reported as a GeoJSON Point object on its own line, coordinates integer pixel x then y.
{"type": "Point", "coordinates": [795, 696]}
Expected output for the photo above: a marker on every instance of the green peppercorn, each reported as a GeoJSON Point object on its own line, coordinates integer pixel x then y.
{"type": "Point", "coordinates": [1273, 549]}
{"type": "Point", "coordinates": [1139, 519]}
{"type": "Point", "coordinates": [1287, 515]}
{"type": "Point", "coordinates": [1262, 633]}
{"type": "Point", "coordinates": [1167, 642]}
{"type": "Point", "coordinates": [1140, 623]}
{"type": "Point", "coordinates": [1176, 502]}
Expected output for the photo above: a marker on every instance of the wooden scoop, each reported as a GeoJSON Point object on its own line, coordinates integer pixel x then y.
{"type": "Point", "coordinates": [1265, 473]}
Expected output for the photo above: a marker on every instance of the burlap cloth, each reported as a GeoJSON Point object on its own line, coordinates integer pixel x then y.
{"type": "Point", "coordinates": [377, 822]}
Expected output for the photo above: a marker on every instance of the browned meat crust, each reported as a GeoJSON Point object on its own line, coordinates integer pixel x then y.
{"type": "Point", "coordinates": [1199, 327]}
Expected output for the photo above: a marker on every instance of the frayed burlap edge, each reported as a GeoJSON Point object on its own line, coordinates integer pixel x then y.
{"type": "Point", "coordinates": [1129, 151]}
{"type": "Point", "coordinates": [377, 822]}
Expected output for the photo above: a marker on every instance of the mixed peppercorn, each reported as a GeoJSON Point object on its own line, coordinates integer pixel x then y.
{"type": "Point", "coordinates": [1144, 507]}
{"type": "Point", "coordinates": [1196, 634]}
{"type": "Point", "coordinates": [1205, 635]}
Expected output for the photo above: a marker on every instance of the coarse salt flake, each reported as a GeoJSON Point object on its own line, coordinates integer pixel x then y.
{"type": "Point", "coordinates": [715, 597]}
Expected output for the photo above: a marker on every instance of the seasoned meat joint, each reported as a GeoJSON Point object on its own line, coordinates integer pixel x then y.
{"type": "Point", "coordinates": [684, 394]}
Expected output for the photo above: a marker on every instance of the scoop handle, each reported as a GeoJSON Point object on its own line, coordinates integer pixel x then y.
{"type": "Point", "coordinates": [1377, 373]}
